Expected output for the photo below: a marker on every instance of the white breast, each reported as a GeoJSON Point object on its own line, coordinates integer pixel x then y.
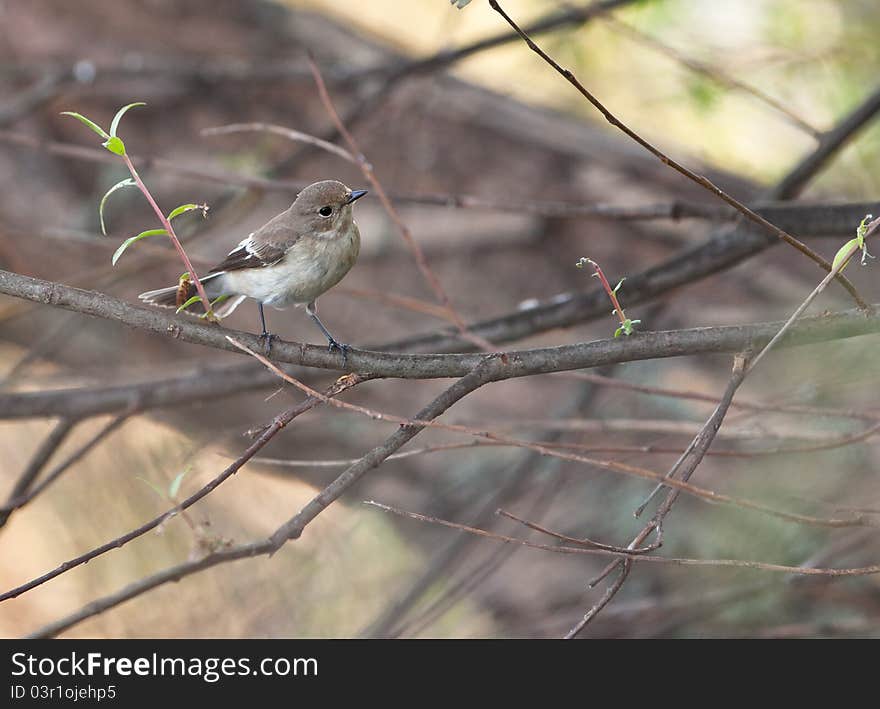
{"type": "Point", "coordinates": [311, 267]}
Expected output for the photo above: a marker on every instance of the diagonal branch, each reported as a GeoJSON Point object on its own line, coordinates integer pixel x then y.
{"type": "Point", "coordinates": [18, 501]}
{"type": "Point", "coordinates": [701, 180]}
{"type": "Point", "coordinates": [292, 529]}
{"type": "Point", "coordinates": [42, 455]}
{"type": "Point", "coordinates": [687, 464]}
{"type": "Point", "coordinates": [279, 422]}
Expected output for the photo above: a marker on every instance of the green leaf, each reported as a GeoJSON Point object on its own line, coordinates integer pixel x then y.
{"type": "Point", "coordinates": [626, 328]}
{"type": "Point", "coordinates": [91, 124]}
{"type": "Point", "coordinates": [127, 182]}
{"type": "Point", "coordinates": [128, 242]}
{"type": "Point", "coordinates": [118, 117]}
{"type": "Point", "coordinates": [183, 208]}
{"type": "Point", "coordinates": [195, 299]}
{"type": "Point", "coordinates": [153, 487]}
{"type": "Point", "coordinates": [619, 283]}
{"type": "Point", "coordinates": [862, 229]}
{"type": "Point", "coordinates": [115, 145]}
{"type": "Point", "coordinates": [844, 253]}
{"type": "Point", "coordinates": [174, 487]}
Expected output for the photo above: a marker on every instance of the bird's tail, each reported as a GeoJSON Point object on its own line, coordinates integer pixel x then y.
{"type": "Point", "coordinates": [167, 297]}
{"type": "Point", "coordinates": [175, 296]}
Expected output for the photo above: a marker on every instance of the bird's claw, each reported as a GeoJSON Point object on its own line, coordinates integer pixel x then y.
{"type": "Point", "coordinates": [343, 349]}
{"type": "Point", "coordinates": [267, 338]}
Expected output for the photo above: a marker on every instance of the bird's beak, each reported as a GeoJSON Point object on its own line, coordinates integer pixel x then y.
{"type": "Point", "coordinates": [355, 194]}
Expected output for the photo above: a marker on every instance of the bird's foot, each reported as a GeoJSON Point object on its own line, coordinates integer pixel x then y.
{"type": "Point", "coordinates": [343, 349]}
{"type": "Point", "coordinates": [267, 338]}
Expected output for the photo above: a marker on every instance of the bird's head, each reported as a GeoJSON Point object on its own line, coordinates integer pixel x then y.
{"type": "Point", "coordinates": [324, 208]}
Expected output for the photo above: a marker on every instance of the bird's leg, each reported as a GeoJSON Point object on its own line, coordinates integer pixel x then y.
{"type": "Point", "coordinates": [312, 310]}
{"type": "Point", "coordinates": [266, 335]}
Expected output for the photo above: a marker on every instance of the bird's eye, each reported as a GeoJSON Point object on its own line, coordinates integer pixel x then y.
{"type": "Point", "coordinates": [325, 211]}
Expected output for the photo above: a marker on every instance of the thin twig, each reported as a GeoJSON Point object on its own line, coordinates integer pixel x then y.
{"type": "Point", "coordinates": [19, 501]}
{"type": "Point", "coordinates": [278, 423]}
{"type": "Point", "coordinates": [716, 74]}
{"type": "Point", "coordinates": [631, 557]}
{"type": "Point", "coordinates": [831, 219]}
{"type": "Point", "coordinates": [581, 541]}
{"type": "Point", "coordinates": [370, 175]}
{"type": "Point", "coordinates": [687, 464]}
{"type": "Point", "coordinates": [293, 528]}
{"type": "Point", "coordinates": [701, 180]}
{"type": "Point", "coordinates": [709, 398]}
{"type": "Point", "coordinates": [844, 260]}
{"type": "Point", "coordinates": [172, 235]}
{"type": "Point", "coordinates": [37, 462]}
{"type": "Point", "coordinates": [610, 465]}
{"type": "Point", "coordinates": [288, 133]}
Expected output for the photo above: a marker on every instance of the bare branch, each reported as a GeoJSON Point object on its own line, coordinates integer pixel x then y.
{"type": "Point", "coordinates": [522, 363]}
{"type": "Point", "coordinates": [712, 73]}
{"type": "Point", "coordinates": [278, 423]}
{"type": "Point", "coordinates": [18, 501]}
{"type": "Point", "coordinates": [292, 529]}
{"type": "Point", "coordinates": [288, 133]}
{"type": "Point", "coordinates": [42, 455]}
{"type": "Point", "coordinates": [809, 220]}
{"type": "Point", "coordinates": [634, 557]}
{"type": "Point", "coordinates": [678, 167]}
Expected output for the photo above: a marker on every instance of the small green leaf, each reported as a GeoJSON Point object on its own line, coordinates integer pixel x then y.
{"type": "Point", "coordinates": [627, 327]}
{"type": "Point", "coordinates": [183, 208]}
{"type": "Point", "coordinates": [174, 487]}
{"type": "Point", "coordinates": [127, 182]}
{"type": "Point", "coordinates": [190, 301]}
{"type": "Point", "coordinates": [218, 299]}
{"type": "Point", "coordinates": [91, 124]}
{"type": "Point", "coordinates": [153, 487]}
{"type": "Point", "coordinates": [115, 145]}
{"type": "Point", "coordinates": [862, 229]}
{"type": "Point", "coordinates": [619, 283]}
{"type": "Point", "coordinates": [844, 253]}
{"type": "Point", "coordinates": [128, 242]}
{"type": "Point", "coordinates": [118, 117]}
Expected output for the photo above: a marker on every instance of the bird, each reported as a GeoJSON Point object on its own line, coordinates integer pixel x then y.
{"type": "Point", "coordinates": [292, 259]}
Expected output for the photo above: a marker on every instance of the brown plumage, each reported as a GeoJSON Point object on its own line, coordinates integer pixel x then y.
{"type": "Point", "coordinates": [292, 259]}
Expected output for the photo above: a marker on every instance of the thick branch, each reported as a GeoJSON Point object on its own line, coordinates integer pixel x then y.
{"type": "Point", "coordinates": [523, 363]}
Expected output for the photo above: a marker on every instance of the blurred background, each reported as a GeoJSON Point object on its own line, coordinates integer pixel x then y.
{"type": "Point", "coordinates": [741, 92]}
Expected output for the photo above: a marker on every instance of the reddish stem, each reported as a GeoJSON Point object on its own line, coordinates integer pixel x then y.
{"type": "Point", "coordinates": [166, 224]}
{"type": "Point", "coordinates": [609, 290]}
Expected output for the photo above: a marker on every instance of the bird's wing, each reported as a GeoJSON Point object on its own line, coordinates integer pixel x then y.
{"type": "Point", "coordinates": [264, 247]}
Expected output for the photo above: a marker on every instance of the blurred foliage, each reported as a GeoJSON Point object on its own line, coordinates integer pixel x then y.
{"type": "Point", "coordinates": [819, 57]}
